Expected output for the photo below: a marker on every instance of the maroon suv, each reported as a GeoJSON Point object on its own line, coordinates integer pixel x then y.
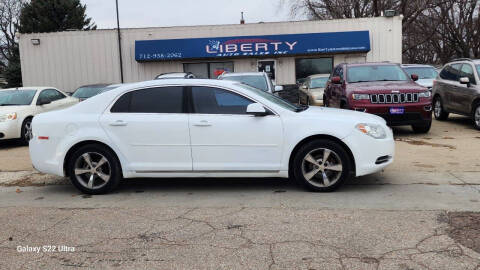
{"type": "Point", "coordinates": [383, 89]}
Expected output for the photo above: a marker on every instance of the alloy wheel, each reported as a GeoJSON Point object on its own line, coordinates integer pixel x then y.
{"type": "Point", "coordinates": [322, 167]}
{"type": "Point", "coordinates": [92, 170]}
{"type": "Point", "coordinates": [477, 117]}
{"type": "Point", "coordinates": [437, 108]}
{"type": "Point", "coordinates": [28, 131]}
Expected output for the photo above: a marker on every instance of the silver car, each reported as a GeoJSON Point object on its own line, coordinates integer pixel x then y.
{"type": "Point", "coordinates": [457, 90]}
{"type": "Point", "coordinates": [426, 74]}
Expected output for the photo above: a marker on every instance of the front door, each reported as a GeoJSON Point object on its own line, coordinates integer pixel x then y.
{"type": "Point", "coordinates": [150, 129]}
{"type": "Point", "coordinates": [225, 138]}
{"type": "Point", "coordinates": [267, 66]}
{"type": "Point", "coordinates": [466, 93]}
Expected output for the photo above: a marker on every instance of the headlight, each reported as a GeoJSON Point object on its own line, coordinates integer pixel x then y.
{"type": "Point", "coordinates": [360, 96]}
{"type": "Point", "coordinates": [425, 94]}
{"type": "Point", "coordinates": [8, 116]}
{"type": "Point", "coordinates": [372, 130]}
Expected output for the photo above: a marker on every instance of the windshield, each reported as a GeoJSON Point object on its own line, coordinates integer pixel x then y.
{"type": "Point", "coordinates": [16, 97]}
{"type": "Point", "coordinates": [87, 91]}
{"type": "Point", "coordinates": [252, 80]}
{"type": "Point", "coordinates": [272, 98]}
{"type": "Point", "coordinates": [319, 82]}
{"type": "Point", "coordinates": [376, 73]}
{"type": "Point", "coordinates": [422, 72]}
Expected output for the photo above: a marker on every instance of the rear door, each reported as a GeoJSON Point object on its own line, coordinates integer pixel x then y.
{"type": "Point", "coordinates": [150, 129]}
{"type": "Point", "coordinates": [226, 139]}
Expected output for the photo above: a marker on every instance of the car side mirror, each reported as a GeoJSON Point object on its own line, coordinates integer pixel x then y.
{"type": "Point", "coordinates": [303, 87]}
{"type": "Point", "coordinates": [414, 77]}
{"type": "Point", "coordinates": [464, 80]}
{"type": "Point", "coordinates": [336, 80]}
{"type": "Point", "coordinates": [43, 102]}
{"type": "Point", "coordinates": [256, 109]}
{"type": "Point", "coordinates": [278, 88]}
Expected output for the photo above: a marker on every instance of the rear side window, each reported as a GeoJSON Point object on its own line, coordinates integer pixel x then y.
{"type": "Point", "coordinates": [451, 72]}
{"type": "Point", "coordinates": [209, 100]}
{"type": "Point", "coordinates": [152, 100]}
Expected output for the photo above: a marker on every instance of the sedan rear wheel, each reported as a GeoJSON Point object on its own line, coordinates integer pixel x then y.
{"type": "Point", "coordinates": [94, 169]}
{"type": "Point", "coordinates": [322, 165]}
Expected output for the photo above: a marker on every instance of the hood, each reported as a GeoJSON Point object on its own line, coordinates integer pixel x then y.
{"type": "Point", "coordinates": [343, 115]}
{"type": "Point", "coordinates": [12, 109]}
{"type": "Point", "coordinates": [386, 86]}
{"type": "Point", "coordinates": [426, 82]}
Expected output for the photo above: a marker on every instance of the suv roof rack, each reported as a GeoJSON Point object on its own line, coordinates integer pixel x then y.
{"type": "Point", "coordinates": [462, 59]}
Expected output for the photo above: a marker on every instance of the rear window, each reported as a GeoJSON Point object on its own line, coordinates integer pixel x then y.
{"type": "Point", "coordinates": [151, 100]}
{"type": "Point", "coordinates": [88, 91]}
{"type": "Point", "coordinates": [319, 82]}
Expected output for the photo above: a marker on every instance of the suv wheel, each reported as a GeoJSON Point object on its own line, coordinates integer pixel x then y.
{"type": "Point", "coordinates": [438, 111]}
{"type": "Point", "coordinates": [422, 128]}
{"type": "Point", "coordinates": [94, 169]}
{"type": "Point", "coordinates": [321, 165]}
{"type": "Point", "coordinates": [476, 116]}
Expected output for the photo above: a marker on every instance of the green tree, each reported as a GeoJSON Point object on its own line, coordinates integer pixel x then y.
{"type": "Point", "coordinates": [40, 16]}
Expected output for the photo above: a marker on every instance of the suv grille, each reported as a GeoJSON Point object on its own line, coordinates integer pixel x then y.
{"type": "Point", "coordinates": [394, 98]}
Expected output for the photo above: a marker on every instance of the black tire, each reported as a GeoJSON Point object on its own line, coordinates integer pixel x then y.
{"type": "Point", "coordinates": [438, 109]}
{"type": "Point", "coordinates": [422, 128]}
{"type": "Point", "coordinates": [300, 164]}
{"type": "Point", "coordinates": [476, 115]}
{"type": "Point", "coordinates": [26, 130]}
{"type": "Point", "coordinates": [325, 101]}
{"type": "Point", "coordinates": [114, 170]}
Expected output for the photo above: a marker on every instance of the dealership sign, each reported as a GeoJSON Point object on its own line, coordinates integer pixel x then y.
{"type": "Point", "coordinates": [252, 46]}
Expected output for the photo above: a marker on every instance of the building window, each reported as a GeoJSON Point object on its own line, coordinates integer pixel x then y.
{"type": "Point", "coordinates": [305, 67]}
{"type": "Point", "coordinates": [208, 70]}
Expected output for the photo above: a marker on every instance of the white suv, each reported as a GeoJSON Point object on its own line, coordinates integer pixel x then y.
{"type": "Point", "coordinates": [206, 128]}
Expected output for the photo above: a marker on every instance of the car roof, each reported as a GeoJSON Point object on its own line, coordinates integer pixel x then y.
{"type": "Point", "coordinates": [95, 85]}
{"type": "Point", "coordinates": [416, 65]}
{"type": "Point", "coordinates": [177, 81]}
{"type": "Point", "coordinates": [172, 75]}
{"type": "Point", "coordinates": [319, 76]}
{"type": "Point", "coordinates": [371, 64]}
{"type": "Point", "coordinates": [29, 88]}
{"type": "Point", "coordinates": [243, 74]}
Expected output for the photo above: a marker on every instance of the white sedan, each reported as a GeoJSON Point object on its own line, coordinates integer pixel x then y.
{"type": "Point", "coordinates": [18, 106]}
{"type": "Point", "coordinates": [206, 128]}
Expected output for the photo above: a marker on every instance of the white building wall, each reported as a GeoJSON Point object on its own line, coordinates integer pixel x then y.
{"type": "Point", "coordinates": [69, 59]}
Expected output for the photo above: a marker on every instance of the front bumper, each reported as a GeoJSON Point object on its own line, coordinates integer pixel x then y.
{"type": "Point", "coordinates": [415, 113]}
{"type": "Point", "coordinates": [9, 130]}
{"type": "Point", "coordinates": [371, 155]}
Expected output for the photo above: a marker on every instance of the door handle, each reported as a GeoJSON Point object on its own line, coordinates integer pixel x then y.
{"type": "Point", "coordinates": [203, 123]}
{"type": "Point", "coordinates": [118, 123]}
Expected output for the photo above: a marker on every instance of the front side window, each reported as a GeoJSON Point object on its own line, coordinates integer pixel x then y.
{"type": "Point", "coordinates": [16, 97]}
{"type": "Point", "coordinates": [451, 72]}
{"type": "Point", "coordinates": [257, 81]}
{"type": "Point", "coordinates": [151, 100]}
{"type": "Point", "coordinates": [272, 98]}
{"type": "Point", "coordinates": [372, 73]}
{"type": "Point", "coordinates": [50, 95]}
{"type": "Point", "coordinates": [422, 72]}
{"type": "Point", "coordinates": [209, 100]}
{"type": "Point", "coordinates": [467, 71]}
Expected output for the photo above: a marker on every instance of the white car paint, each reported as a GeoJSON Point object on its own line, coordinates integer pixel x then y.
{"type": "Point", "coordinates": [12, 128]}
{"type": "Point", "coordinates": [201, 145]}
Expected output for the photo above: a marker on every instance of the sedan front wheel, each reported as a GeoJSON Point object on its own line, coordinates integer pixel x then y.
{"type": "Point", "coordinates": [322, 165]}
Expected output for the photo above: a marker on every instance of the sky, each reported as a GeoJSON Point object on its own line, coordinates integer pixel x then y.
{"type": "Point", "coordinates": [152, 13]}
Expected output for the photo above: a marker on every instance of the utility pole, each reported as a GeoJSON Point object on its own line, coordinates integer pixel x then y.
{"type": "Point", "coordinates": [119, 44]}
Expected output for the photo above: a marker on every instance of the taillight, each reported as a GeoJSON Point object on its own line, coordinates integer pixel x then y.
{"type": "Point", "coordinates": [43, 137]}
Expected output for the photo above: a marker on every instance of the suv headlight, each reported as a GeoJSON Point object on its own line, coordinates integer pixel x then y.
{"type": "Point", "coordinates": [8, 116]}
{"type": "Point", "coordinates": [425, 94]}
{"type": "Point", "coordinates": [360, 96]}
{"type": "Point", "coordinates": [372, 130]}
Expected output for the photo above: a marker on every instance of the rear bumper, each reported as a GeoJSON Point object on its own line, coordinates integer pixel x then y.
{"type": "Point", "coordinates": [417, 113]}
{"type": "Point", "coordinates": [45, 157]}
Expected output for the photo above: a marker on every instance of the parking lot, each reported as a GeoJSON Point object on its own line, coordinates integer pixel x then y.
{"type": "Point", "coordinates": [417, 214]}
